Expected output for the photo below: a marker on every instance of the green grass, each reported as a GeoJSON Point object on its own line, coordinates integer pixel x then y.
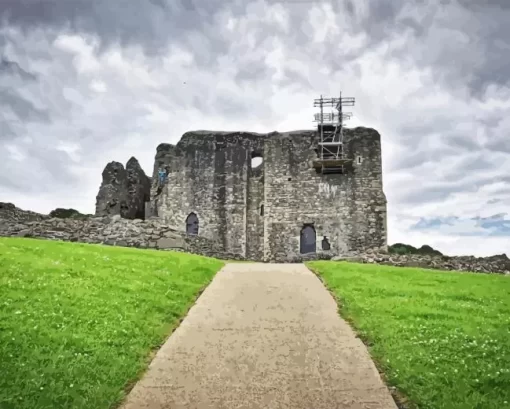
{"type": "Point", "coordinates": [78, 322]}
{"type": "Point", "coordinates": [443, 339]}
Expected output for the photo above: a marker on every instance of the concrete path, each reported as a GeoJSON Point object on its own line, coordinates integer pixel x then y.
{"type": "Point", "coordinates": [262, 336]}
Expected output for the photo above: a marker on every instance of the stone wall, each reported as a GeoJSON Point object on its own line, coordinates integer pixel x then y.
{"type": "Point", "coordinates": [498, 264]}
{"type": "Point", "coordinates": [111, 230]}
{"type": "Point", "coordinates": [210, 174]}
{"type": "Point", "coordinates": [349, 209]}
{"type": "Point", "coordinates": [152, 233]}
{"type": "Point", "coordinates": [207, 175]}
{"type": "Point", "coordinates": [9, 213]}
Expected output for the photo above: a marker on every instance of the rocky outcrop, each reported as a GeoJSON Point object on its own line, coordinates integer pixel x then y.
{"type": "Point", "coordinates": [114, 230]}
{"type": "Point", "coordinates": [10, 213]}
{"type": "Point", "coordinates": [123, 191]}
{"type": "Point", "coordinates": [499, 264]}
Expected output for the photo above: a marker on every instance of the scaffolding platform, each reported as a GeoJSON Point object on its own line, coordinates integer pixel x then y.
{"type": "Point", "coordinates": [330, 155]}
{"type": "Point", "coordinates": [330, 163]}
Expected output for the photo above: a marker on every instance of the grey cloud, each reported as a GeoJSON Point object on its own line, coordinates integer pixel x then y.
{"type": "Point", "coordinates": [498, 135]}
{"type": "Point", "coordinates": [24, 109]}
{"type": "Point", "coordinates": [380, 14]}
{"type": "Point", "coordinates": [293, 77]}
{"type": "Point", "coordinates": [484, 59]}
{"type": "Point", "coordinates": [476, 5]}
{"type": "Point", "coordinates": [45, 166]}
{"type": "Point", "coordinates": [12, 68]}
{"type": "Point", "coordinates": [160, 22]}
{"type": "Point", "coordinates": [349, 7]}
{"type": "Point", "coordinates": [250, 69]}
{"type": "Point", "coordinates": [439, 191]}
{"type": "Point", "coordinates": [434, 223]}
{"type": "Point", "coordinates": [481, 61]}
{"type": "Point", "coordinates": [194, 25]}
{"type": "Point", "coordinates": [6, 131]}
{"type": "Point", "coordinates": [503, 190]}
{"type": "Point", "coordinates": [117, 22]}
{"type": "Point", "coordinates": [413, 136]}
{"type": "Point", "coordinates": [493, 226]}
{"type": "Point", "coordinates": [429, 194]}
{"type": "Point", "coordinates": [461, 142]}
{"type": "Point", "coordinates": [11, 73]}
{"type": "Point", "coordinates": [470, 165]}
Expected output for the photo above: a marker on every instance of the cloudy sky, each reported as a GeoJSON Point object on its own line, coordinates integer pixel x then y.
{"type": "Point", "coordinates": [84, 82]}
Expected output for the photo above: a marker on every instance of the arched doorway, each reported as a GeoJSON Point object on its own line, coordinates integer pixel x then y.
{"type": "Point", "coordinates": [192, 224]}
{"type": "Point", "coordinates": [307, 240]}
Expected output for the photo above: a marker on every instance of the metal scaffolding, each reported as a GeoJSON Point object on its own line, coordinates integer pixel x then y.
{"type": "Point", "coordinates": [330, 158]}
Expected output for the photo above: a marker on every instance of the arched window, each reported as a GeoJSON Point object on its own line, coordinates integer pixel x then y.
{"type": "Point", "coordinates": [256, 160]}
{"type": "Point", "coordinates": [307, 242]}
{"type": "Point", "coordinates": [192, 224]}
{"type": "Point", "coordinates": [262, 210]}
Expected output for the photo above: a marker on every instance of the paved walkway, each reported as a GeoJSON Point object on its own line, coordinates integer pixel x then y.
{"type": "Point", "coordinates": [262, 336]}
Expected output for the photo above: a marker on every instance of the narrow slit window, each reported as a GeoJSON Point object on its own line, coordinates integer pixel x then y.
{"type": "Point", "coordinates": [325, 244]}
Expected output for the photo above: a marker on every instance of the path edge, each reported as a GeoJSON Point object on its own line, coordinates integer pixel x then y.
{"type": "Point", "coordinates": [400, 399]}
{"type": "Point", "coordinates": [128, 387]}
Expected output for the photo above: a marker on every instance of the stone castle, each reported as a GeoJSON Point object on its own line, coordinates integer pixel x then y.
{"type": "Point", "coordinates": [281, 210]}
{"type": "Point", "coordinates": [315, 195]}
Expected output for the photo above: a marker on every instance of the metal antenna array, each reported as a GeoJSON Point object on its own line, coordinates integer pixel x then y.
{"type": "Point", "coordinates": [330, 127]}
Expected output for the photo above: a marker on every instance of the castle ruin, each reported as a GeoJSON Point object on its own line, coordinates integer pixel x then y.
{"type": "Point", "coordinates": [315, 191]}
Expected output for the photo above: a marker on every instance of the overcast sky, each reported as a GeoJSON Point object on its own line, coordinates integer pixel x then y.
{"type": "Point", "coordinates": [85, 82]}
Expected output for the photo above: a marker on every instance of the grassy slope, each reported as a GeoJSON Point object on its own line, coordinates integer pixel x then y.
{"type": "Point", "coordinates": [442, 338]}
{"type": "Point", "coordinates": [78, 322]}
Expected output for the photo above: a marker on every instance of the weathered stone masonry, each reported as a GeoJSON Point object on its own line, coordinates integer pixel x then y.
{"type": "Point", "coordinates": [259, 213]}
{"type": "Point", "coordinates": [210, 174]}
{"type": "Point", "coordinates": [109, 230]}
{"type": "Point", "coordinates": [114, 230]}
{"type": "Point", "coordinates": [123, 191]}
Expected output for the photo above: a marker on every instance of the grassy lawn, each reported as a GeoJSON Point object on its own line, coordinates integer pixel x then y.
{"type": "Point", "coordinates": [78, 322]}
{"type": "Point", "coordinates": [443, 339]}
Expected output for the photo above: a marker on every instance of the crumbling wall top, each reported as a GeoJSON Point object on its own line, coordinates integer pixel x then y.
{"type": "Point", "coordinates": [198, 136]}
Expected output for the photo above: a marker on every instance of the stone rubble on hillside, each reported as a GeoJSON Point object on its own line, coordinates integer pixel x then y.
{"type": "Point", "coordinates": [153, 233]}
{"type": "Point", "coordinates": [110, 230]}
{"type": "Point", "coordinates": [499, 264]}
{"type": "Point", "coordinates": [10, 213]}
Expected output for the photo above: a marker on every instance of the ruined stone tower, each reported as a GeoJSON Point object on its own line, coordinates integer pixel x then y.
{"type": "Point", "coordinates": [314, 192]}
{"type": "Point", "coordinates": [123, 191]}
